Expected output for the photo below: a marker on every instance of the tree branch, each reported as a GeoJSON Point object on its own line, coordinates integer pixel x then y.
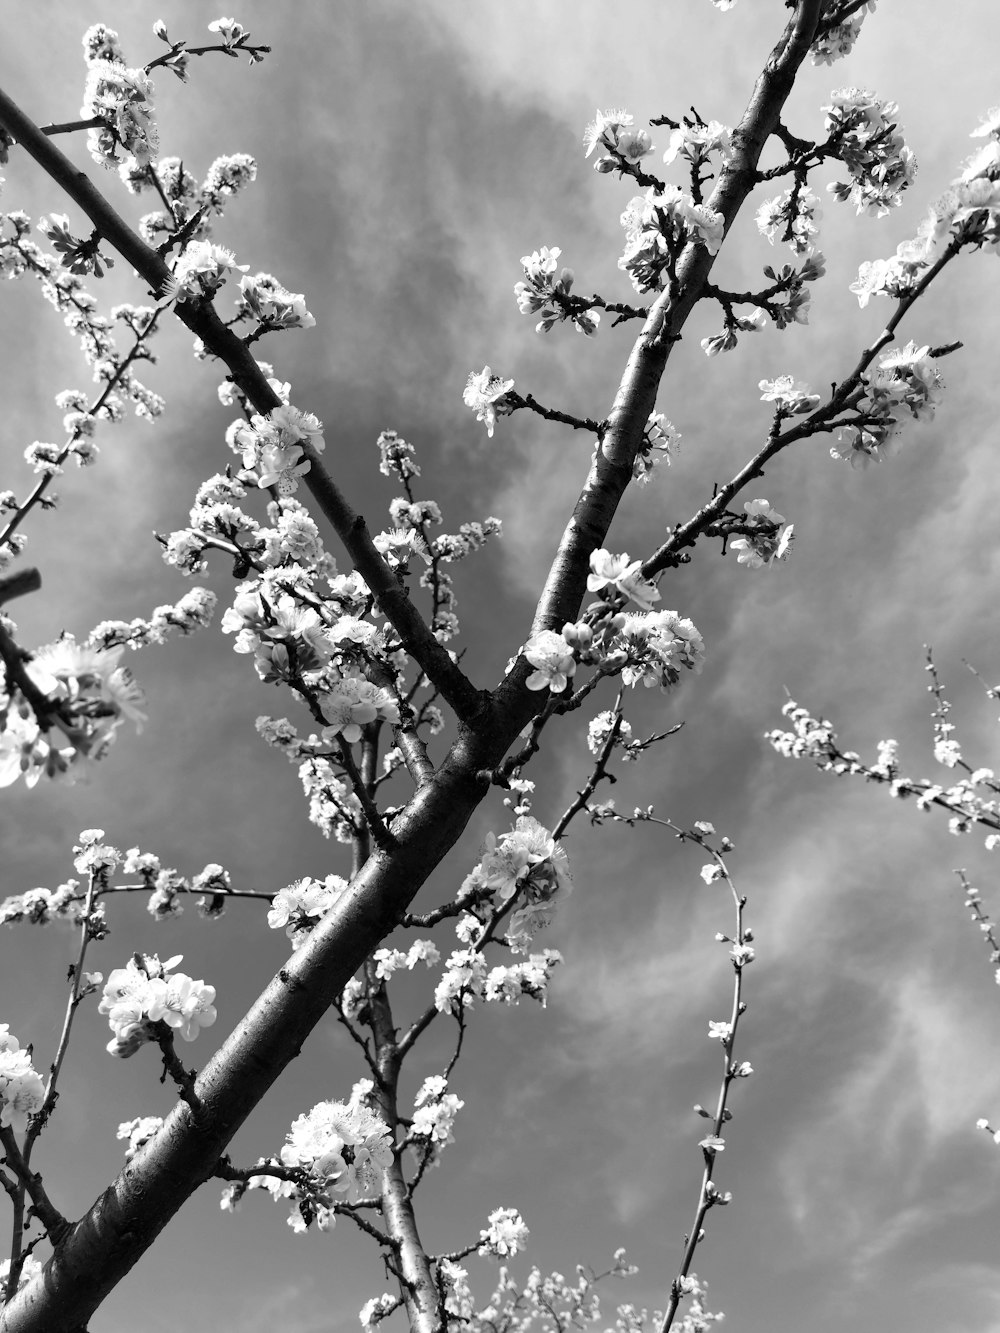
{"type": "Point", "coordinates": [611, 470]}
{"type": "Point", "coordinates": [203, 321]}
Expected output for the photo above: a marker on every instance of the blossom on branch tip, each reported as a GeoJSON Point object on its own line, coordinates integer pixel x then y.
{"type": "Point", "coordinates": [612, 130]}
{"type": "Point", "coordinates": [146, 992]}
{"type": "Point", "coordinates": [505, 1235]}
{"type": "Point", "coordinates": [871, 147]}
{"type": "Point", "coordinates": [788, 395]}
{"type": "Point", "coordinates": [122, 98]}
{"type": "Point", "coordinates": [375, 1310]}
{"type": "Point", "coordinates": [435, 1110]}
{"type": "Point", "coordinates": [486, 394]}
{"type": "Point", "coordinates": [543, 291]}
{"type": "Point", "coordinates": [229, 30]}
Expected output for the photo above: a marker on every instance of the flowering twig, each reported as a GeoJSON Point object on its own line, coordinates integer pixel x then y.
{"type": "Point", "coordinates": [974, 902]}
{"type": "Point", "coordinates": [136, 351]}
{"type": "Point", "coordinates": [78, 989]}
{"type": "Point", "coordinates": [823, 420]}
{"type": "Point", "coordinates": [741, 955]}
{"type": "Point", "coordinates": [203, 320]}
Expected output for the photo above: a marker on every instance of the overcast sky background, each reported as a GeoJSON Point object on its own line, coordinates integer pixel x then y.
{"type": "Point", "coordinates": [408, 156]}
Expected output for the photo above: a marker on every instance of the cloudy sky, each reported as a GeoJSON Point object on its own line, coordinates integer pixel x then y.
{"type": "Point", "coordinates": [408, 156]}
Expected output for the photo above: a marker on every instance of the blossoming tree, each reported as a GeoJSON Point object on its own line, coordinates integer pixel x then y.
{"type": "Point", "coordinates": [395, 743]}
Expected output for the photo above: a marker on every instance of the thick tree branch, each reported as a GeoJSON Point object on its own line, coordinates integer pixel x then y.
{"type": "Point", "coordinates": [203, 321]}
{"type": "Point", "coordinates": [611, 470]}
{"type": "Point", "coordinates": [102, 1247]}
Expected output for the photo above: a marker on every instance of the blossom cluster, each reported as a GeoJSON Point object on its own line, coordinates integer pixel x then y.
{"type": "Point", "coordinates": [122, 98]}
{"type": "Point", "coordinates": [526, 867]}
{"type": "Point", "coordinates": [333, 806]}
{"type": "Point", "coordinates": [790, 398]}
{"type": "Point", "coordinates": [431, 1128]}
{"type": "Point", "coordinates": [869, 143]}
{"type": "Point", "coordinates": [337, 1152]}
{"type": "Point", "coordinates": [301, 635]}
{"type": "Point", "coordinates": [968, 213]}
{"type": "Point", "coordinates": [543, 291]}
{"type": "Point", "coordinates": [388, 961]}
{"type": "Point", "coordinates": [191, 207]}
{"type": "Point", "coordinates": [146, 992]}
{"type": "Point", "coordinates": [647, 646]}
{"type": "Point", "coordinates": [696, 141]}
{"type": "Point", "coordinates": [657, 227]}
{"type": "Point", "coordinates": [467, 978]}
{"type": "Point", "coordinates": [504, 1235]}
{"type": "Point", "coordinates": [21, 1086]}
{"type": "Point", "coordinates": [200, 270]}
{"type": "Point", "coordinates": [767, 541]}
{"type": "Point", "coordinates": [653, 647]}
{"type": "Point", "coordinates": [487, 394]}
{"type": "Point", "coordinates": [298, 907]}
{"type": "Point", "coordinates": [601, 727]}
{"type": "Point", "coordinates": [88, 696]}
{"type": "Point", "coordinates": [264, 299]}
{"type": "Point", "coordinates": [138, 1132]}
{"type": "Point", "coordinates": [905, 380]}
{"type": "Point", "coordinates": [791, 217]}
{"type": "Point", "coordinates": [30, 1269]}
{"type": "Point", "coordinates": [623, 145]}
{"type": "Point", "coordinates": [41, 906]}
{"type": "Point", "coordinates": [217, 520]}
{"type": "Point", "coordinates": [660, 443]}
{"type": "Point", "coordinates": [838, 40]}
